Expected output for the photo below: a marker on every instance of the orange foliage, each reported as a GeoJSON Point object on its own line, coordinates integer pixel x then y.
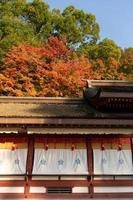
{"type": "Point", "coordinates": [49, 70]}
{"type": "Point", "coordinates": [102, 70]}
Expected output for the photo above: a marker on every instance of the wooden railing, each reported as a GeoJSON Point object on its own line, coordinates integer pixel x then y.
{"type": "Point", "coordinates": [89, 181]}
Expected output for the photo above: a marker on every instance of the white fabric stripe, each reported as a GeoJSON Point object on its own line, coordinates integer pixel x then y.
{"type": "Point", "coordinates": [60, 161]}
{"type": "Point", "coordinates": [13, 162]}
{"type": "Point", "coordinates": [112, 161]}
{"type": "Point", "coordinates": [37, 190]}
{"type": "Point", "coordinates": [80, 190]}
{"type": "Point", "coordinates": [113, 189]}
{"type": "Point", "coordinates": [11, 189]}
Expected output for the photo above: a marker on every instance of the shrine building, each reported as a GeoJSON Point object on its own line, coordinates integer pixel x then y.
{"type": "Point", "coordinates": [68, 147]}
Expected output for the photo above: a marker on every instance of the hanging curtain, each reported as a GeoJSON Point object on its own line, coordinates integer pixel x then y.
{"type": "Point", "coordinates": [12, 161]}
{"type": "Point", "coordinates": [115, 157]}
{"type": "Point", "coordinates": [60, 161]}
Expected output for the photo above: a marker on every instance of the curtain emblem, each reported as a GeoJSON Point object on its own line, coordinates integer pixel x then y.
{"type": "Point", "coordinates": [17, 161]}
{"type": "Point", "coordinates": [104, 161]}
{"type": "Point", "coordinates": [60, 162]}
{"type": "Point", "coordinates": [121, 161]}
{"type": "Point", "coordinates": [43, 162]}
{"type": "Point", "coordinates": [77, 161]}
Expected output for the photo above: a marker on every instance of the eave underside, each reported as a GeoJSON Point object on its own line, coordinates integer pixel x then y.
{"type": "Point", "coordinates": [27, 121]}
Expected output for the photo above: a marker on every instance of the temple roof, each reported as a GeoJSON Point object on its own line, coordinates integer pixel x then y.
{"type": "Point", "coordinates": [45, 107]}
{"type": "Point", "coordinates": [47, 111]}
{"type": "Point", "coordinates": [110, 96]}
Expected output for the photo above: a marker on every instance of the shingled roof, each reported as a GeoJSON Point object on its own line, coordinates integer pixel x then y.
{"type": "Point", "coordinates": [45, 107]}
{"type": "Point", "coordinates": [110, 96]}
{"type": "Point", "coordinates": [42, 111]}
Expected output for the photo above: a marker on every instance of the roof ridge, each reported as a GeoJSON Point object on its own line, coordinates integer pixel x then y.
{"type": "Point", "coordinates": [36, 100]}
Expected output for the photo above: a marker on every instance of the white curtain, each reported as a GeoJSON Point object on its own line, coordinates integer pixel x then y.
{"type": "Point", "coordinates": [60, 161]}
{"type": "Point", "coordinates": [112, 161]}
{"type": "Point", "coordinates": [13, 162]}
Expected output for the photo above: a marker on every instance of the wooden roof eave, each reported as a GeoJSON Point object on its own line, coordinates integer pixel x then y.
{"type": "Point", "coordinates": [40, 121]}
{"type": "Point", "coordinates": [116, 95]}
{"type": "Point", "coordinates": [108, 83]}
{"type": "Point", "coordinates": [92, 94]}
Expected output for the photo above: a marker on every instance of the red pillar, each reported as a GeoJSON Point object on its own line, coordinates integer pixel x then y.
{"type": "Point", "coordinates": [29, 164]}
{"type": "Point", "coordinates": [90, 163]}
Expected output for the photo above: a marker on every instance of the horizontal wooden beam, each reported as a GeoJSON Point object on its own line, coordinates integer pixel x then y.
{"type": "Point", "coordinates": [11, 196]}
{"type": "Point", "coordinates": [59, 196]}
{"type": "Point", "coordinates": [66, 183]}
{"type": "Point", "coordinates": [41, 100]}
{"type": "Point", "coordinates": [123, 95]}
{"type": "Point", "coordinates": [59, 183]}
{"type": "Point", "coordinates": [12, 183]}
{"type": "Point", "coordinates": [114, 183]}
{"type": "Point", "coordinates": [65, 121]}
{"type": "Point", "coordinates": [78, 130]}
{"type": "Point", "coordinates": [118, 195]}
{"type": "Point", "coordinates": [114, 83]}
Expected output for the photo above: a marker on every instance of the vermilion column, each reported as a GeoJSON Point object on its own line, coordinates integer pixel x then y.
{"type": "Point", "coordinates": [90, 163]}
{"type": "Point", "coordinates": [29, 164]}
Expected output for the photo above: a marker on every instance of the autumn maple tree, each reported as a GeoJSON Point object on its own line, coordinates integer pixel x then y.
{"type": "Point", "coordinates": [49, 70]}
{"type": "Point", "coordinates": [37, 60]}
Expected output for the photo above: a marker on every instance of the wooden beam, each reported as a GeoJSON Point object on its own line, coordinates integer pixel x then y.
{"type": "Point", "coordinates": [112, 183]}
{"type": "Point", "coordinates": [41, 100]}
{"type": "Point", "coordinates": [30, 155]}
{"type": "Point", "coordinates": [118, 195]}
{"type": "Point", "coordinates": [60, 196]}
{"type": "Point", "coordinates": [11, 196]}
{"type": "Point", "coordinates": [131, 141]}
{"type": "Point", "coordinates": [90, 163]}
{"type": "Point", "coordinates": [59, 183]}
{"type": "Point", "coordinates": [104, 121]}
{"type": "Point", "coordinates": [105, 83]}
{"type": "Point", "coordinates": [29, 164]}
{"type": "Point", "coordinates": [12, 183]}
{"type": "Point", "coordinates": [123, 95]}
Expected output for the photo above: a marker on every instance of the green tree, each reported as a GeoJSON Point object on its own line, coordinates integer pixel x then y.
{"type": "Point", "coordinates": [105, 59]}
{"type": "Point", "coordinates": [38, 15]}
{"type": "Point", "coordinates": [78, 27]}
{"type": "Point", "coordinates": [13, 27]}
{"type": "Point", "coordinates": [105, 50]}
{"type": "Point", "coordinates": [33, 22]}
{"type": "Point", "coordinates": [109, 49]}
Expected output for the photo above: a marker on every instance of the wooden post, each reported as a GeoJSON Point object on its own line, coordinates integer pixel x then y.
{"type": "Point", "coordinates": [90, 164]}
{"type": "Point", "coordinates": [29, 164]}
{"type": "Point", "coordinates": [131, 142]}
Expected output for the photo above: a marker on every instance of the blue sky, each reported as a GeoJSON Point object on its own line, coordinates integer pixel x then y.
{"type": "Point", "coordinates": [115, 17]}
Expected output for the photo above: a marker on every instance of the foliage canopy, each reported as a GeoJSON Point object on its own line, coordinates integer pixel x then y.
{"type": "Point", "coordinates": [47, 52]}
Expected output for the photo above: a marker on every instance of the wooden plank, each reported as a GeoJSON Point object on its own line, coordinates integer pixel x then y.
{"type": "Point", "coordinates": [65, 121]}
{"type": "Point", "coordinates": [8, 183]}
{"type": "Point", "coordinates": [110, 183]}
{"type": "Point", "coordinates": [29, 164]}
{"type": "Point", "coordinates": [41, 100]}
{"type": "Point", "coordinates": [114, 83]}
{"type": "Point", "coordinates": [90, 163]}
{"type": "Point", "coordinates": [82, 132]}
{"type": "Point", "coordinates": [59, 196]}
{"type": "Point", "coordinates": [30, 156]}
{"type": "Point", "coordinates": [11, 196]}
{"type": "Point", "coordinates": [59, 183]}
{"type": "Point", "coordinates": [123, 95]}
{"type": "Point", "coordinates": [113, 195]}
